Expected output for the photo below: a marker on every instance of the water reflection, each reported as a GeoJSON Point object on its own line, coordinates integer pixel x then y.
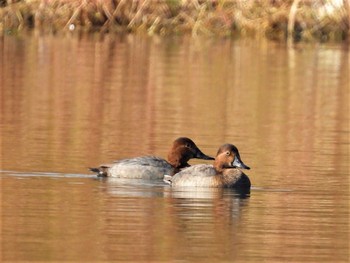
{"type": "Point", "coordinates": [121, 187]}
{"type": "Point", "coordinates": [71, 102]}
{"type": "Point", "coordinates": [191, 216]}
{"type": "Point", "coordinates": [204, 193]}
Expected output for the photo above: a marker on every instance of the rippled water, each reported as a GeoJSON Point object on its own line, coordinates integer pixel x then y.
{"type": "Point", "coordinates": [69, 102]}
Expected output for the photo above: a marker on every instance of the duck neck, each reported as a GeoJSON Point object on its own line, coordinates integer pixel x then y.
{"type": "Point", "coordinates": [219, 167]}
{"type": "Point", "coordinates": [178, 160]}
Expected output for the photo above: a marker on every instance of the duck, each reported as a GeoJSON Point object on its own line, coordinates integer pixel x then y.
{"type": "Point", "coordinates": [225, 172]}
{"type": "Point", "coordinates": [152, 167]}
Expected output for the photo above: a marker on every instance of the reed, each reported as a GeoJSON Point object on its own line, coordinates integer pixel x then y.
{"type": "Point", "coordinates": [306, 20]}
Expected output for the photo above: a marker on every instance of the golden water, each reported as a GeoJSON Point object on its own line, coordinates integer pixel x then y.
{"type": "Point", "coordinates": [71, 102]}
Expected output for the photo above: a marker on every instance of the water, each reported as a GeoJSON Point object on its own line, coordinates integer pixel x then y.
{"type": "Point", "coordinates": [69, 102]}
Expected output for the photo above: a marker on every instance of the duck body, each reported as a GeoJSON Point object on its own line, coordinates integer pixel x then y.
{"type": "Point", "coordinates": [153, 167]}
{"type": "Point", "coordinates": [205, 175]}
{"type": "Point", "coordinates": [224, 173]}
{"type": "Point", "coordinates": [145, 167]}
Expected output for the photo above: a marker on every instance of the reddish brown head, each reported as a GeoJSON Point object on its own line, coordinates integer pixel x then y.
{"type": "Point", "coordinates": [184, 149]}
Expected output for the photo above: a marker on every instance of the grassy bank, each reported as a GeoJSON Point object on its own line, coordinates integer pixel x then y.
{"type": "Point", "coordinates": [307, 20]}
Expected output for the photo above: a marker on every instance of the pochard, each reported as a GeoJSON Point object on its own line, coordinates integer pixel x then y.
{"type": "Point", "coordinates": [225, 172]}
{"type": "Point", "coordinates": [152, 167]}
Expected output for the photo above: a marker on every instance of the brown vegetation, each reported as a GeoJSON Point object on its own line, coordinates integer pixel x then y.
{"type": "Point", "coordinates": [277, 19]}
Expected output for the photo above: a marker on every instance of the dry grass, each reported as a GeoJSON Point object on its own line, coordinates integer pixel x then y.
{"type": "Point", "coordinates": [277, 19]}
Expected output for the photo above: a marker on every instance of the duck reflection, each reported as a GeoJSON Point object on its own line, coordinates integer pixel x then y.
{"type": "Point", "coordinates": [140, 217]}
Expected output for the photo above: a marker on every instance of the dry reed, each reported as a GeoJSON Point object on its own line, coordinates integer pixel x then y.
{"type": "Point", "coordinates": [277, 19]}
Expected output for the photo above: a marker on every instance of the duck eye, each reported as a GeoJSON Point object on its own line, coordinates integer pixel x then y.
{"type": "Point", "coordinates": [227, 153]}
{"type": "Point", "coordinates": [188, 146]}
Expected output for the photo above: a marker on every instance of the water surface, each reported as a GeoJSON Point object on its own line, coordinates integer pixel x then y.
{"type": "Point", "coordinates": [69, 102]}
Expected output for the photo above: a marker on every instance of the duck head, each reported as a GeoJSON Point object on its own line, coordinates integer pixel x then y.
{"type": "Point", "coordinates": [228, 157]}
{"type": "Point", "coordinates": [184, 149]}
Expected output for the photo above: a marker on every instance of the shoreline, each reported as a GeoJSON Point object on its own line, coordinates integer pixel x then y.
{"type": "Point", "coordinates": [308, 21]}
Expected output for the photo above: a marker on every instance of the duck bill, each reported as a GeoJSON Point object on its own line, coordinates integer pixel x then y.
{"type": "Point", "coordinates": [238, 163]}
{"type": "Point", "coordinates": [200, 155]}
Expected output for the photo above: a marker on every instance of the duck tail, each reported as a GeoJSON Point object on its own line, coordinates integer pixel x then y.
{"type": "Point", "coordinates": [167, 179]}
{"type": "Point", "coordinates": [100, 172]}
